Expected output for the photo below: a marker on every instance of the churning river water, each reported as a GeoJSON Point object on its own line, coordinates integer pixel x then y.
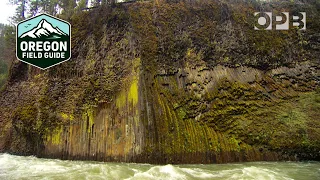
{"type": "Point", "coordinates": [25, 168]}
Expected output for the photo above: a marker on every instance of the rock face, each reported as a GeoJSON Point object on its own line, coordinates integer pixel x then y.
{"type": "Point", "coordinates": [171, 83]}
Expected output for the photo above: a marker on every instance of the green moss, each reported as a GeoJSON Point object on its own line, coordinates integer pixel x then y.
{"type": "Point", "coordinates": [287, 124]}
{"type": "Point", "coordinates": [90, 116]}
{"type": "Point", "coordinates": [318, 90]}
{"type": "Point", "coordinates": [118, 135]}
{"type": "Point", "coordinates": [232, 117]}
{"type": "Point", "coordinates": [25, 119]}
{"type": "Point", "coordinates": [121, 99]}
{"type": "Point", "coordinates": [293, 118]}
{"type": "Point", "coordinates": [55, 136]}
{"type": "Point", "coordinates": [130, 93]}
{"type": "Point", "coordinates": [67, 116]}
{"type": "Point", "coordinates": [182, 113]}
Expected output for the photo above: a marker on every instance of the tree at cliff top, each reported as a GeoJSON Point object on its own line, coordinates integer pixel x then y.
{"type": "Point", "coordinates": [20, 10]}
{"type": "Point", "coordinates": [3, 52]}
{"type": "Point", "coordinates": [47, 6]}
{"type": "Point", "coordinates": [30, 8]}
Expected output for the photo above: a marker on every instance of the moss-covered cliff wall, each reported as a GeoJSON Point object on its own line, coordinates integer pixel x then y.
{"type": "Point", "coordinates": [172, 83]}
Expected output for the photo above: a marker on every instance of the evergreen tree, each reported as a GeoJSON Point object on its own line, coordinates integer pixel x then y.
{"type": "Point", "coordinates": [46, 6]}
{"type": "Point", "coordinates": [68, 7]}
{"type": "Point", "coordinates": [20, 10]}
{"type": "Point", "coordinates": [95, 3]}
{"type": "Point", "coordinates": [82, 4]}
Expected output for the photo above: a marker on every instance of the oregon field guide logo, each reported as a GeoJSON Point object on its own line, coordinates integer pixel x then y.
{"type": "Point", "coordinates": [43, 41]}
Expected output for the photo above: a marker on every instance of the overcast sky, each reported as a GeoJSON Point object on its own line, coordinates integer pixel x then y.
{"type": "Point", "coordinates": [6, 10]}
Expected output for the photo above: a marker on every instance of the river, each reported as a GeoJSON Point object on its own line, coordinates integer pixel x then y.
{"type": "Point", "coordinates": [25, 168]}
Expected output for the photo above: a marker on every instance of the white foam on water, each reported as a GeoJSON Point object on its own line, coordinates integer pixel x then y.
{"type": "Point", "coordinates": [200, 173]}
{"type": "Point", "coordinates": [25, 168]}
{"type": "Point", "coordinates": [166, 172]}
{"type": "Point", "coordinates": [222, 174]}
{"type": "Point", "coordinates": [259, 173]}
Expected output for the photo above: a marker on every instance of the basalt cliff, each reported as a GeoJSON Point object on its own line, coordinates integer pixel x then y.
{"type": "Point", "coordinates": [172, 82]}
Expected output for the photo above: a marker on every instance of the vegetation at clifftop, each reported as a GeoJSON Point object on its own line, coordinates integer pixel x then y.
{"type": "Point", "coordinates": [3, 73]}
{"type": "Point", "coordinates": [172, 82]}
{"type": "Point", "coordinates": [4, 63]}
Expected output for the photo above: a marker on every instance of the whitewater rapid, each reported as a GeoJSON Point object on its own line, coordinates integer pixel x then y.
{"type": "Point", "coordinates": [25, 168]}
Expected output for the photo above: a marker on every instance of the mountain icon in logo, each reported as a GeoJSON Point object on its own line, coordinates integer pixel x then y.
{"type": "Point", "coordinates": [44, 30]}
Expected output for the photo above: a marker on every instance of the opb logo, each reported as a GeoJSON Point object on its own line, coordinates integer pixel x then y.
{"type": "Point", "coordinates": [264, 21]}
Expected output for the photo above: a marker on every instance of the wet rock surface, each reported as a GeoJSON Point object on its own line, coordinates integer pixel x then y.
{"type": "Point", "coordinates": [170, 83]}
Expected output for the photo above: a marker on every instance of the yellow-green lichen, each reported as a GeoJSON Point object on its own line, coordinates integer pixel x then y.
{"type": "Point", "coordinates": [130, 92]}
{"type": "Point", "coordinates": [55, 137]}
{"type": "Point", "coordinates": [66, 116]}
{"type": "Point", "coordinates": [133, 92]}
{"type": "Point", "coordinates": [88, 115]}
